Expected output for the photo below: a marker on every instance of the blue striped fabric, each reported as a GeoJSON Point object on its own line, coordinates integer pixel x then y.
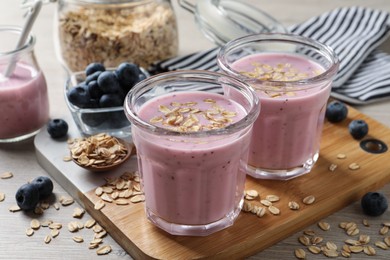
{"type": "Point", "coordinates": [353, 32]}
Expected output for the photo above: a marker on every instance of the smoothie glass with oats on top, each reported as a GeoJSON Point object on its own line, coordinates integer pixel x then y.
{"type": "Point", "coordinates": [192, 131]}
{"type": "Point", "coordinates": [292, 76]}
{"type": "Point", "coordinates": [24, 102]}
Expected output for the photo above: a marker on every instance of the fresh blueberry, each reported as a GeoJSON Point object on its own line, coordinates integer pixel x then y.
{"type": "Point", "coordinates": [57, 128]}
{"type": "Point", "coordinates": [358, 128]}
{"type": "Point", "coordinates": [374, 203]}
{"type": "Point", "coordinates": [93, 76]}
{"type": "Point", "coordinates": [27, 196]}
{"type": "Point", "coordinates": [118, 119]}
{"type": "Point", "coordinates": [128, 75]}
{"type": "Point", "coordinates": [44, 185]}
{"type": "Point", "coordinates": [94, 90]}
{"type": "Point", "coordinates": [93, 67]}
{"type": "Point", "coordinates": [108, 82]}
{"type": "Point", "coordinates": [79, 96]}
{"type": "Point", "coordinates": [336, 111]}
{"type": "Point", "coordinates": [111, 100]}
{"type": "Point", "coordinates": [93, 119]}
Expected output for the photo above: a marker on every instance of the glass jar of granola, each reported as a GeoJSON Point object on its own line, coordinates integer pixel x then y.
{"type": "Point", "coordinates": [114, 31]}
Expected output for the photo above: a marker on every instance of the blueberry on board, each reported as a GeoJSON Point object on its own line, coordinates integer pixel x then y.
{"type": "Point", "coordinates": [128, 75]}
{"type": "Point", "coordinates": [336, 111]}
{"type": "Point", "coordinates": [93, 67]}
{"type": "Point", "coordinates": [111, 100]}
{"type": "Point", "coordinates": [108, 82]}
{"type": "Point", "coordinates": [358, 128]}
{"type": "Point", "coordinates": [93, 76]}
{"type": "Point", "coordinates": [57, 128]}
{"type": "Point", "coordinates": [93, 119]}
{"type": "Point", "coordinates": [44, 185]}
{"type": "Point", "coordinates": [27, 196]}
{"type": "Point", "coordinates": [374, 204]}
{"type": "Point", "coordinates": [79, 96]}
{"type": "Point", "coordinates": [94, 90]}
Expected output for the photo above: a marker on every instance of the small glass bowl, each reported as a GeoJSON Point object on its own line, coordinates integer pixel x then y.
{"type": "Point", "coordinates": [91, 121]}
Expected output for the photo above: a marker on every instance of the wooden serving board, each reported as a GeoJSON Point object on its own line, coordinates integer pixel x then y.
{"type": "Point", "coordinates": [250, 234]}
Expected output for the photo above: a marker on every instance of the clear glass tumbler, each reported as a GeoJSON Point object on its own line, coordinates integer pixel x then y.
{"type": "Point", "coordinates": [292, 75]}
{"type": "Point", "coordinates": [192, 131]}
{"type": "Point", "coordinates": [24, 102]}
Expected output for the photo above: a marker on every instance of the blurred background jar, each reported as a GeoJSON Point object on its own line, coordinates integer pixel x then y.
{"type": "Point", "coordinates": [24, 104]}
{"type": "Point", "coordinates": [115, 31]}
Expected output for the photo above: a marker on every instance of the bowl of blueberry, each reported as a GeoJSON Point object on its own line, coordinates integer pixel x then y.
{"type": "Point", "coordinates": [95, 97]}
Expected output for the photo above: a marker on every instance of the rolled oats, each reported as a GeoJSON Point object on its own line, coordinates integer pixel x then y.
{"type": "Point", "coordinates": [141, 34]}
{"type": "Point", "coordinates": [6, 175]}
{"type": "Point", "coordinates": [2, 196]}
{"type": "Point", "coordinates": [309, 200]}
{"type": "Point", "coordinates": [293, 205]}
{"type": "Point", "coordinates": [103, 250]}
{"type": "Point", "coordinates": [300, 253]}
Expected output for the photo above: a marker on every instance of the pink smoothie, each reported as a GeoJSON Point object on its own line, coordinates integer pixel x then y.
{"type": "Point", "coordinates": [287, 132]}
{"type": "Point", "coordinates": [190, 180]}
{"type": "Point", "coordinates": [23, 102]}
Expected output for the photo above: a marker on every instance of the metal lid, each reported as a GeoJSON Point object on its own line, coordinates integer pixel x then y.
{"type": "Point", "coordinates": [225, 20]}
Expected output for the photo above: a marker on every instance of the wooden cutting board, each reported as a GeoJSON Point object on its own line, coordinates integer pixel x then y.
{"type": "Point", "coordinates": [250, 234]}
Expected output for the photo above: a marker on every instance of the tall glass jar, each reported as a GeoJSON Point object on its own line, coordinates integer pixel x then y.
{"type": "Point", "coordinates": [24, 103]}
{"type": "Point", "coordinates": [114, 31]}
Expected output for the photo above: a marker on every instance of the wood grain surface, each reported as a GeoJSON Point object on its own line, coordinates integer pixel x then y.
{"type": "Point", "coordinates": [250, 234]}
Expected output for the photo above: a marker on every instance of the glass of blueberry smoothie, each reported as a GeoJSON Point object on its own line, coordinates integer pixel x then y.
{"type": "Point", "coordinates": [192, 131]}
{"type": "Point", "coordinates": [24, 103]}
{"type": "Point", "coordinates": [292, 76]}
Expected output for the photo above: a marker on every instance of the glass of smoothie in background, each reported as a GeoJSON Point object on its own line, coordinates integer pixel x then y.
{"type": "Point", "coordinates": [192, 131]}
{"type": "Point", "coordinates": [292, 75]}
{"type": "Point", "coordinates": [24, 103]}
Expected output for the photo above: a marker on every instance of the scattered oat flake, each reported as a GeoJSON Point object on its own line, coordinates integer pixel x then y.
{"type": "Point", "coordinates": [14, 208]}
{"type": "Point", "coordinates": [304, 240]}
{"type": "Point", "coordinates": [78, 239]}
{"type": "Point", "coordinates": [330, 253]}
{"type": "Point", "coordinates": [56, 206]}
{"type": "Point", "coordinates": [354, 166]}
{"type": "Point", "coordinates": [384, 230]}
{"type": "Point", "coordinates": [356, 249]}
{"type": "Point", "coordinates": [332, 167]}
{"type": "Point", "coordinates": [381, 245]}
{"type": "Point", "coordinates": [67, 158]}
{"type": "Point", "coordinates": [365, 223]}
{"type": "Point", "coordinates": [90, 223]}
{"type": "Point", "coordinates": [272, 198]}
{"type": "Point", "coordinates": [35, 224]}
{"type": "Point", "coordinates": [309, 200]}
{"type": "Point", "coordinates": [55, 225]}
{"type": "Point", "coordinates": [316, 240]}
{"type": "Point", "coordinates": [99, 205]}
{"type": "Point", "coordinates": [103, 250]}
{"type": "Point", "coordinates": [47, 239]}
{"type": "Point", "coordinates": [54, 232]}
{"type": "Point", "coordinates": [6, 175]}
{"type": "Point", "coordinates": [314, 249]}
{"type": "Point", "coordinates": [29, 231]}
{"type": "Point", "coordinates": [300, 253]}
{"type": "Point", "coordinates": [78, 212]}
{"type": "Point", "coordinates": [72, 226]}
{"type": "Point", "coordinates": [266, 203]}
{"type": "Point", "coordinates": [138, 198]}
{"type": "Point", "coordinates": [309, 232]}
{"type": "Point", "coordinates": [293, 205]}
{"type": "Point", "coordinates": [2, 196]}
{"type": "Point", "coordinates": [66, 201]}
{"type": "Point", "coordinates": [274, 210]}
{"type": "Point", "coordinates": [324, 225]}
{"type": "Point", "coordinates": [369, 250]}
{"type": "Point", "coordinates": [341, 156]}
{"type": "Point", "coordinates": [252, 193]}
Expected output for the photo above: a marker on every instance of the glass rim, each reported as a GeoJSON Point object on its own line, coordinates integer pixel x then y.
{"type": "Point", "coordinates": [244, 122]}
{"type": "Point", "coordinates": [280, 37]}
{"type": "Point", "coordinates": [27, 46]}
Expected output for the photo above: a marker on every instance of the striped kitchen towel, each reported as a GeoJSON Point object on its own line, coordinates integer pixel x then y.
{"type": "Point", "coordinates": [353, 32]}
